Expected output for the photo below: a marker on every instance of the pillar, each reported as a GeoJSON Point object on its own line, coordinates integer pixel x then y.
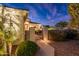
{"type": "Point", "coordinates": [32, 34]}
{"type": "Point", "coordinates": [45, 34]}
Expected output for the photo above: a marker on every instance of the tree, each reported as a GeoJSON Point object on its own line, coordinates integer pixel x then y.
{"type": "Point", "coordinates": [61, 24]}
{"type": "Point", "coordinates": [8, 32]}
{"type": "Point", "coordinates": [73, 10]}
{"type": "Point", "coordinates": [11, 25]}
{"type": "Point", "coordinates": [47, 26]}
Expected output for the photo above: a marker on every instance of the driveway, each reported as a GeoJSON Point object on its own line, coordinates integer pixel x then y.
{"type": "Point", "coordinates": [68, 48]}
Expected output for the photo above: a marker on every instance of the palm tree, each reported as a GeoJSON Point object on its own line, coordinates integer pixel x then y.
{"type": "Point", "coordinates": [10, 26]}
{"type": "Point", "coordinates": [2, 29]}
{"type": "Point", "coordinates": [8, 34]}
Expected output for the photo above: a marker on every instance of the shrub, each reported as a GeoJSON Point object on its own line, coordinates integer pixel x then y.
{"type": "Point", "coordinates": [1, 39]}
{"type": "Point", "coordinates": [77, 38]}
{"type": "Point", "coordinates": [64, 35]}
{"type": "Point", "coordinates": [28, 48]}
{"type": "Point", "coordinates": [2, 52]}
{"type": "Point", "coordinates": [38, 32]}
{"type": "Point", "coordinates": [71, 34]}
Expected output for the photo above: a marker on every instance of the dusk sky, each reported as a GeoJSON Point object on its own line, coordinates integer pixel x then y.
{"type": "Point", "coordinates": [46, 14]}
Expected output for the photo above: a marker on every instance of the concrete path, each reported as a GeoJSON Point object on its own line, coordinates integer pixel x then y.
{"type": "Point", "coordinates": [45, 49]}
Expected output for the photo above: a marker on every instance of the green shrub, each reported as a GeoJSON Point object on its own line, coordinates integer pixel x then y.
{"type": "Point", "coordinates": [71, 34]}
{"type": "Point", "coordinates": [2, 52]}
{"type": "Point", "coordinates": [64, 35]}
{"type": "Point", "coordinates": [38, 32]}
{"type": "Point", "coordinates": [77, 38]}
{"type": "Point", "coordinates": [1, 39]}
{"type": "Point", "coordinates": [28, 48]}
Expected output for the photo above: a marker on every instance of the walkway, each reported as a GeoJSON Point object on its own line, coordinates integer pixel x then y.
{"type": "Point", "coordinates": [45, 49]}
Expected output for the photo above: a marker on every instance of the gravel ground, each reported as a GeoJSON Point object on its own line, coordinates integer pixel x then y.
{"type": "Point", "coordinates": [68, 48]}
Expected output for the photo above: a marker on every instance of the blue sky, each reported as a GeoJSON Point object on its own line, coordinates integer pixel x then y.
{"type": "Point", "coordinates": [46, 14]}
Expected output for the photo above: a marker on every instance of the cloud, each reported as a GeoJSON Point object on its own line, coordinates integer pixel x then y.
{"type": "Point", "coordinates": [44, 13]}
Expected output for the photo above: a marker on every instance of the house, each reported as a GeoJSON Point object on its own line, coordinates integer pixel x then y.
{"type": "Point", "coordinates": [35, 25]}
{"type": "Point", "coordinates": [29, 24]}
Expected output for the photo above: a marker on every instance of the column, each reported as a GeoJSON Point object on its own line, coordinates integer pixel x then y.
{"type": "Point", "coordinates": [32, 34]}
{"type": "Point", "coordinates": [45, 34]}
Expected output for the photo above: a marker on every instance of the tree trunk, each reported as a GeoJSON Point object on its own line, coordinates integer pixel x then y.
{"type": "Point", "coordinates": [10, 48]}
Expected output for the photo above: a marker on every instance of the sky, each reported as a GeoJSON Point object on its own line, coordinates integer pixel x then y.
{"type": "Point", "coordinates": [46, 14]}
